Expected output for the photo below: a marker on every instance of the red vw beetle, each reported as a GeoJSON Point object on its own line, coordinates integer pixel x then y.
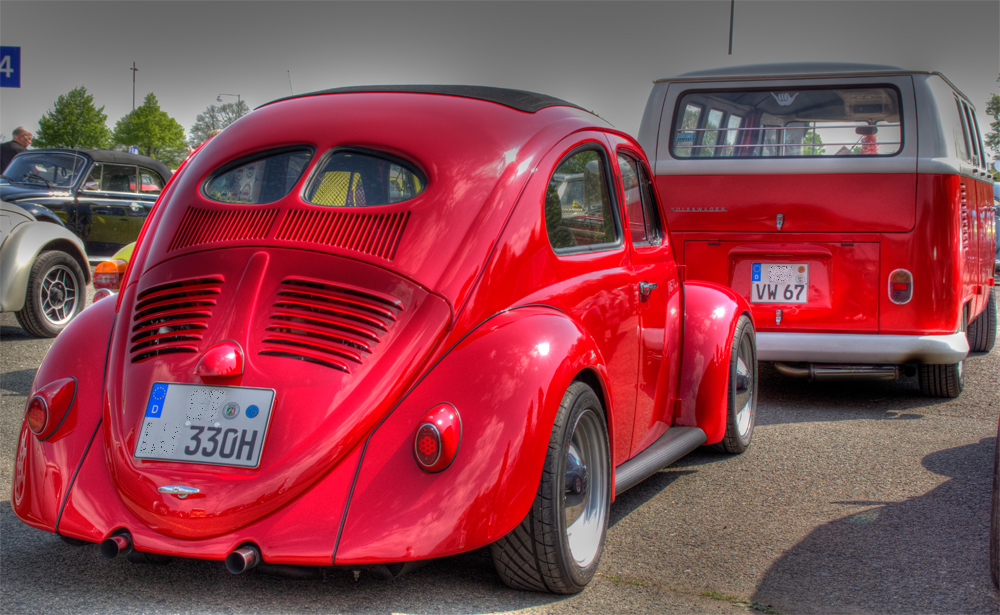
{"type": "Point", "coordinates": [370, 326]}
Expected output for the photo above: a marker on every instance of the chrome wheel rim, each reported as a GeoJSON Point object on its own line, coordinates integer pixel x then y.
{"type": "Point", "coordinates": [745, 379]}
{"type": "Point", "coordinates": [586, 488]}
{"type": "Point", "coordinates": [58, 295]}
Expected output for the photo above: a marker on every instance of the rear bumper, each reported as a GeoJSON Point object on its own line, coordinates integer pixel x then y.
{"type": "Point", "coordinates": [857, 348]}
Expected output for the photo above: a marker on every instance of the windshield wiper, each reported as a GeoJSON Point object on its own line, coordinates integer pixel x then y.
{"type": "Point", "coordinates": [36, 176]}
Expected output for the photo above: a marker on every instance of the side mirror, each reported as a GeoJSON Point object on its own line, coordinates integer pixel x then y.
{"type": "Point", "coordinates": [996, 166]}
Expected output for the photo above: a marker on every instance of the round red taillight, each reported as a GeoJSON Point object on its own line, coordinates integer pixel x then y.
{"type": "Point", "coordinates": [437, 439]}
{"type": "Point", "coordinates": [37, 414]}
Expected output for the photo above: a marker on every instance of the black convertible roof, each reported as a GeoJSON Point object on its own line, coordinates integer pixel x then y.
{"type": "Point", "coordinates": [107, 155]}
{"type": "Point", "coordinates": [521, 100]}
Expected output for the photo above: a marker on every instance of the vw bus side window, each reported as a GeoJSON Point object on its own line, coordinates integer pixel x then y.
{"type": "Point", "coordinates": [578, 211]}
{"type": "Point", "coordinates": [262, 179]}
{"type": "Point", "coordinates": [800, 123]}
{"type": "Point", "coordinates": [351, 178]}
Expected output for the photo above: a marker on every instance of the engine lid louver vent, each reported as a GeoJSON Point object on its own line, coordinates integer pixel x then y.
{"type": "Point", "coordinates": [375, 234]}
{"type": "Point", "coordinates": [172, 318]}
{"type": "Point", "coordinates": [327, 324]}
{"type": "Point", "coordinates": [200, 226]}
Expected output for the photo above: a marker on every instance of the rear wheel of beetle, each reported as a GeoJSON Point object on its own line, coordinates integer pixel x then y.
{"type": "Point", "coordinates": [557, 547]}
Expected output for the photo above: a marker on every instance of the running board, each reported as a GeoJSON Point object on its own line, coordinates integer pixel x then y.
{"type": "Point", "coordinates": [674, 444]}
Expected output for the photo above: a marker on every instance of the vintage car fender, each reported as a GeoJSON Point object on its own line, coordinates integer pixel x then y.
{"type": "Point", "coordinates": [711, 314]}
{"type": "Point", "coordinates": [20, 251]}
{"type": "Point", "coordinates": [44, 470]}
{"type": "Point", "coordinates": [506, 378]}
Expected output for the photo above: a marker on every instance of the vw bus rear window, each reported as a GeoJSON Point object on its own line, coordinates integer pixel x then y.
{"type": "Point", "coordinates": [788, 123]}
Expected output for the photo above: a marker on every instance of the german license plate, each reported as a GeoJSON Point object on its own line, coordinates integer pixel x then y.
{"type": "Point", "coordinates": [205, 424]}
{"type": "Point", "coordinates": [779, 283]}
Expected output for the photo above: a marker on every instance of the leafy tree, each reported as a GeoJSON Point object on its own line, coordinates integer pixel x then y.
{"type": "Point", "coordinates": [156, 134]}
{"type": "Point", "coordinates": [216, 118]}
{"type": "Point", "coordinates": [74, 122]}
{"type": "Point", "coordinates": [993, 138]}
{"type": "Point", "coordinates": [813, 144]}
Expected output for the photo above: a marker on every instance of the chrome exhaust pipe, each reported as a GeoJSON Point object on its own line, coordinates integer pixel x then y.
{"type": "Point", "coordinates": [119, 544]}
{"type": "Point", "coordinates": [243, 559]}
{"type": "Point", "coordinates": [819, 372]}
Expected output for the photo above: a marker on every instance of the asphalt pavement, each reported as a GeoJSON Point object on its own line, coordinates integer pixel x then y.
{"type": "Point", "coordinates": [853, 498]}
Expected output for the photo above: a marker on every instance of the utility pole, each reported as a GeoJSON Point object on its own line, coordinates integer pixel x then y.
{"type": "Point", "coordinates": [732, 14]}
{"type": "Point", "coordinates": [134, 71]}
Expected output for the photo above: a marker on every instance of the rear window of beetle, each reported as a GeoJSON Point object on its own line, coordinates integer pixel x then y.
{"type": "Point", "coordinates": [788, 123]}
{"type": "Point", "coordinates": [263, 178]}
{"type": "Point", "coordinates": [362, 178]}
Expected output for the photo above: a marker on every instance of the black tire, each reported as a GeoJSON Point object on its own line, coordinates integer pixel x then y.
{"type": "Point", "coordinates": [557, 547]}
{"type": "Point", "coordinates": [982, 333]}
{"type": "Point", "coordinates": [995, 517]}
{"type": "Point", "coordinates": [57, 291]}
{"type": "Point", "coordinates": [941, 380]}
{"type": "Point", "coordinates": [741, 412]}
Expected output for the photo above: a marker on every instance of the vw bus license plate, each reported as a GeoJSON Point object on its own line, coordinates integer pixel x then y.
{"type": "Point", "coordinates": [779, 283]}
{"type": "Point", "coordinates": [205, 424]}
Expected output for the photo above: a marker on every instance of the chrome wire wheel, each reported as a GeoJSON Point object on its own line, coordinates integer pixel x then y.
{"type": "Point", "coordinates": [58, 295]}
{"type": "Point", "coordinates": [586, 487]}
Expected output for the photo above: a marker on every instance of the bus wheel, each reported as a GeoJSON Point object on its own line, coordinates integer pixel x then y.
{"type": "Point", "coordinates": [941, 380]}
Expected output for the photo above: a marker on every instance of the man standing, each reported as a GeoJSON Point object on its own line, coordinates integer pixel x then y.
{"type": "Point", "coordinates": [20, 142]}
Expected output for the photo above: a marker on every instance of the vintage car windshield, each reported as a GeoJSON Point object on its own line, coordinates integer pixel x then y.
{"type": "Point", "coordinates": [49, 169]}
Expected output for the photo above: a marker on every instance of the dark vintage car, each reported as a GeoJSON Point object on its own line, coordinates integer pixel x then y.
{"type": "Point", "coordinates": [102, 196]}
{"type": "Point", "coordinates": [365, 328]}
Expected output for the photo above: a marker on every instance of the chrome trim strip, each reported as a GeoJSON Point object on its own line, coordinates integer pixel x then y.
{"type": "Point", "coordinates": [820, 165]}
{"type": "Point", "coordinates": [862, 348]}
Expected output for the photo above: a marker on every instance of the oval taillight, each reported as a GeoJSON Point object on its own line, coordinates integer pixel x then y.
{"type": "Point", "coordinates": [37, 414]}
{"type": "Point", "coordinates": [900, 286]}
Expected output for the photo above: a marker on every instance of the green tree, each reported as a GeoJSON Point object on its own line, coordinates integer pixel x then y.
{"type": "Point", "coordinates": [215, 118]}
{"type": "Point", "coordinates": [813, 144]}
{"type": "Point", "coordinates": [156, 134]}
{"type": "Point", "coordinates": [993, 138]}
{"type": "Point", "coordinates": [74, 122]}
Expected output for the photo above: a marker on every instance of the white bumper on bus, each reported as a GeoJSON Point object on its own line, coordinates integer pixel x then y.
{"type": "Point", "coordinates": [870, 349]}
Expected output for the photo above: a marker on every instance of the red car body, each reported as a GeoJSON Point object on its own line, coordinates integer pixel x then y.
{"type": "Point", "coordinates": [454, 297]}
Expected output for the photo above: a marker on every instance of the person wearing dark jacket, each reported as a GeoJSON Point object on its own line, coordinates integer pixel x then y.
{"type": "Point", "coordinates": [20, 142]}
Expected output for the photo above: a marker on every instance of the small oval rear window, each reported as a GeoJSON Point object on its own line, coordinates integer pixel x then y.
{"type": "Point", "coordinates": [263, 179]}
{"type": "Point", "coordinates": [352, 178]}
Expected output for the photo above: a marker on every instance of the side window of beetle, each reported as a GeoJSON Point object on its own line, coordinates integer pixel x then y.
{"type": "Point", "coordinates": [578, 211]}
{"type": "Point", "coordinates": [643, 221]}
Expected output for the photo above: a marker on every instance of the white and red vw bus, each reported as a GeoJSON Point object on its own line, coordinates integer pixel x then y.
{"type": "Point", "coordinates": [848, 203]}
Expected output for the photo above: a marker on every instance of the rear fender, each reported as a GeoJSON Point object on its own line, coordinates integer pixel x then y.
{"type": "Point", "coordinates": [44, 471]}
{"type": "Point", "coordinates": [711, 314]}
{"type": "Point", "coordinates": [506, 379]}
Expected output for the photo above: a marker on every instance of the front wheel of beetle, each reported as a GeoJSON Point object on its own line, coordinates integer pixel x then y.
{"type": "Point", "coordinates": [741, 407]}
{"type": "Point", "coordinates": [557, 547]}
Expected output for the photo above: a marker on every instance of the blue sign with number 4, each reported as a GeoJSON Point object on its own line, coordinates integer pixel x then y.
{"type": "Point", "coordinates": [10, 67]}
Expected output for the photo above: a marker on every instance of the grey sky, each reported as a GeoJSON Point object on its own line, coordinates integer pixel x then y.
{"type": "Point", "coordinates": [600, 55]}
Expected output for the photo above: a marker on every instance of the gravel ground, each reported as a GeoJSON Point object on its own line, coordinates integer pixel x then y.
{"type": "Point", "coordinates": [853, 498]}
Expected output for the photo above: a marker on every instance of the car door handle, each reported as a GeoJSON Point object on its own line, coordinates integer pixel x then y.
{"type": "Point", "coordinates": [644, 289]}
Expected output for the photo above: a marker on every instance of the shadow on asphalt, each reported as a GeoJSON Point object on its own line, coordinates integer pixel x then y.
{"type": "Point", "coordinates": [898, 557]}
{"type": "Point", "coordinates": [41, 574]}
{"type": "Point", "coordinates": [14, 334]}
{"type": "Point", "coordinates": [626, 503]}
{"type": "Point", "coordinates": [19, 382]}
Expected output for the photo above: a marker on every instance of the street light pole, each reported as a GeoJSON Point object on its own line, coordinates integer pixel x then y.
{"type": "Point", "coordinates": [239, 106]}
{"type": "Point", "coordinates": [134, 71]}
